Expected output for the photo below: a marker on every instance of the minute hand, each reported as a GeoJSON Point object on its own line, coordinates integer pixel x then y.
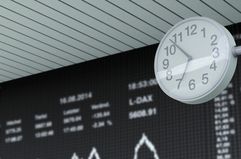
{"type": "Point", "coordinates": [184, 72]}
{"type": "Point", "coordinates": [184, 52]}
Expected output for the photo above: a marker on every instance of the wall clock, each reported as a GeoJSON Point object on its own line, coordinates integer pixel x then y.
{"type": "Point", "coordinates": [195, 60]}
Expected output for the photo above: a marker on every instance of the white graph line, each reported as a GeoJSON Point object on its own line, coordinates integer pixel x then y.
{"type": "Point", "coordinates": [93, 154]}
{"type": "Point", "coordinates": [145, 141]}
{"type": "Point", "coordinates": [75, 156]}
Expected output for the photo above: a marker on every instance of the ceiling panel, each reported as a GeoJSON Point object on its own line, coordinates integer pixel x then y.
{"type": "Point", "coordinates": [41, 35]}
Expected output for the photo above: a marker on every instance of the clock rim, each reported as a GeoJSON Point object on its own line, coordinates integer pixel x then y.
{"type": "Point", "coordinates": [227, 74]}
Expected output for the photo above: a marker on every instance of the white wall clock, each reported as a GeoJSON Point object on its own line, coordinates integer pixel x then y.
{"type": "Point", "coordinates": [194, 61]}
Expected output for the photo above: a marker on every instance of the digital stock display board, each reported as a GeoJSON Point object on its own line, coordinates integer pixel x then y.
{"type": "Point", "coordinates": [112, 108]}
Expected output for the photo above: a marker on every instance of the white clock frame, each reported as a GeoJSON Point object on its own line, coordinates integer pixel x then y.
{"type": "Point", "coordinates": [227, 74]}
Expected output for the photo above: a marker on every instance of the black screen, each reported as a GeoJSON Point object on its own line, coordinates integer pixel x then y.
{"type": "Point", "coordinates": [112, 108]}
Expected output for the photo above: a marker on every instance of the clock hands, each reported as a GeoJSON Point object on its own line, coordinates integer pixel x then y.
{"type": "Point", "coordinates": [184, 72]}
{"type": "Point", "coordinates": [184, 52]}
{"type": "Point", "coordinates": [189, 58]}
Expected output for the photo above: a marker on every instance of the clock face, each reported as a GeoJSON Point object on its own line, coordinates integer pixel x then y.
{"type": "Point", "coordinates": [194, 62]}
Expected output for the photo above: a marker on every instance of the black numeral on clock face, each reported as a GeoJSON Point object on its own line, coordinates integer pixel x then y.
{"type": "Point", "coordinates": [191, 30]}
{"type": "Point", "coordinates": [213, 66]}
{"type": "Point", "coordinates": [170, 50]}
{"type": "Point", "coordinates": [169, 75]}
{"type": "Point", "coordinates": [177, 37]}
{"type": "Point", "coordinates": [205, 78]}
{"type": "Point", "coordinates": [214, 38]}
{"type": "Point", "coordinates": [192, 84]}
{"type": "Point", "coordinates": [215, 52]}
{"type": "Point", "coordinates": [165, 63]}
{"type": "Point", "coordinates": [204, 32]}
{"type": "Point", "coordinates": [179, 83]}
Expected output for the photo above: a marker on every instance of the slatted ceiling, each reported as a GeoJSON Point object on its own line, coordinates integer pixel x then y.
{"type": "Point", "coordinates": [44, 63]}
{"type": "Point", "coordinates": [229, 12]}
{"type": "Point", "coordinates": [31, 52]}
{"type": "Point", "coordinates": [103, 47]}
{"type": "Point", "coordinates": [3, 78]}
{"type": "Point", "coordinates": [73, 33]}
{"type": "Point", "coordinates": [235, 4]}
{"type": "Point", "coordinates": [8, 74]}
{"type": "Point", "coordinates": [158, 10]}
{"type": "Point", "coordinates": [38, 37]}
{"type": "Point", "coordinates": [104, 22]}
{"type": "Point", "coordinates": [202, 9]}
{"type": "Point", "coordinates": [118, 19]}
{"type": "Point", "coordinates": [4, 63]}
{"type": "Point", "coordinates": [18, 64]}
{"type": "Point", "coordinates": [41, 35]}
{"type": "Point", "coordinates": [16, 57]}
{"type": "Point", "coordinates": [13, 70]}
{"type": "Point", "coordinates": [157, 23]}
{"type": "Point", "coordinates": [26, 39]}
{"type": "Point", "coordinates": [121, 42]}
{"type": "Point", "coordinates": [176, 8]}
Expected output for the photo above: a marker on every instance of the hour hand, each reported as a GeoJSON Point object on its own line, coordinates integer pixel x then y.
{"type": "Point", "coordinates": [184, 52]}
